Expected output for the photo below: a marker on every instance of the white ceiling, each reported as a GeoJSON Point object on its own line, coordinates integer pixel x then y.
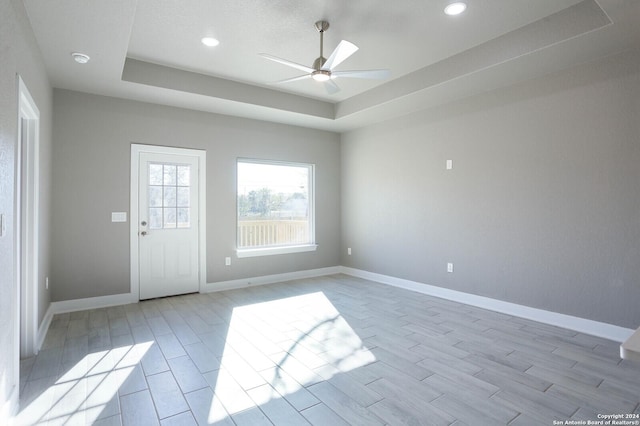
{"type": "Point", "coordinates": [150, 50]}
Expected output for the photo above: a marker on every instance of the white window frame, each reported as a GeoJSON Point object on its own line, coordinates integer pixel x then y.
{"type": "Point", "coordinates": [286, 249]}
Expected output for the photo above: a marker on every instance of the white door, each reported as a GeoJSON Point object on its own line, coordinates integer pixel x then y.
{"type": "Point", "coordinates": [168, 224]}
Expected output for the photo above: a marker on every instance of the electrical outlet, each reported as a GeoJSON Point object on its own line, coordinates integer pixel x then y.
{"type": "Point", "coordinates": [3, 227]}
{"type": "Point", "coordinates": [449, 267]}
{"type": "Point", "coordinates": [227, 261]}
{"type": "Point", "coordinates": [349, 251]}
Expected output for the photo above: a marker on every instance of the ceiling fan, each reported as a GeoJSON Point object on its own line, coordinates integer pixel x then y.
{"type": "Point", "coordinates": [322, 69]}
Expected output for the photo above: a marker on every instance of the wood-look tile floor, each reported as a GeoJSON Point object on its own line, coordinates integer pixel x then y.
{"type": "Point", "coordinates": [333, 351]}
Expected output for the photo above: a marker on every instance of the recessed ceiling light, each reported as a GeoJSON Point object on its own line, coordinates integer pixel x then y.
{"type": "Point", "coordinates": [455, 8]}
{"type": "Point", "coordinates": [210, 41]}
{"type": "Point", "coordinates": [80, 58]}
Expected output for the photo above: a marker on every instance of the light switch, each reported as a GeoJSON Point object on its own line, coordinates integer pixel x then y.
{"type": "Point", "coordinates": [118, 216]}
{"type": "Point", "coordinates": [3, 227]}
{"type": "Point", "coordinates": [449, 164]}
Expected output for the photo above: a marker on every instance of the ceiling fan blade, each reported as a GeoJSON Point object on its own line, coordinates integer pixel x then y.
{"type": "Point", "coordinates": [342, 52]}
{"type": "Point", "coordinates": [288, 63]}
{"type": "Point", "coordinates": [373, 74]}
{"type": "Point", "coordinates": [289, 80]}
{"type": "Point", "coordinates": [331, 87]}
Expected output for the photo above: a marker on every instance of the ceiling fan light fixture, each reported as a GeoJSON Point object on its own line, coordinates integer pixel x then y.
{"type": "Point", "coordinates": [455, 8]}
{"type": "Point", "coordinates": [210, 41]}
{"type": "Point", "coordinates": [321, 75]}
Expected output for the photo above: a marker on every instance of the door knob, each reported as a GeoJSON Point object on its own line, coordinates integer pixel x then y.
{"type": "Point", "coordinates": [143, 223]}
{"type": "Point", "coordinates": [143, 233]}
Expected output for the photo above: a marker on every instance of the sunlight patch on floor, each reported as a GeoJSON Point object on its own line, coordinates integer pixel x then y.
{"type": "Point", "coordinates": [86, 390]}
{"type": "Point", "coordinates": [309, 333]}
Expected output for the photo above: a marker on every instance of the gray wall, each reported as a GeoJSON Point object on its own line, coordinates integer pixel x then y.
{"type": "Point", "coordinates": [19, 54]}
{"type": "Point", "coordinates": [91, 175]}
{"type": "Point", "coordinates": [542, 207]}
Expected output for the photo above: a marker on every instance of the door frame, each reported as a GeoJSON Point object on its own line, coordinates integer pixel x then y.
{"type": "Point", "coordinates": [27, 220]}
{"type": "Point", "coordinates": [136, 150]}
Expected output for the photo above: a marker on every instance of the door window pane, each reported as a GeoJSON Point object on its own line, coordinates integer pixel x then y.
{"type": "Point", "coordinates": [184, 176]}
{"type": "Point", "coordinates": [183, 217]}
{"type": "Point", "coordinates": [169, 218]}
{"type": "Point", "coordinates": [169, 196]}
{"type": "Point", "coordinates": [155, 218]}
{"type": "Point", "coordinates": [155, 196]}
{"type": "Point", "coordinates": [169, 175]}
{"type": "Point", "coordinates": [183, 197]}
{"type": "Point", "coordinates": [155, 174]}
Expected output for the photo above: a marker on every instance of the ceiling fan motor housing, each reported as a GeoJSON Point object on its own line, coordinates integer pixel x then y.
{"type": "Point", "coordinates": [319, 62]}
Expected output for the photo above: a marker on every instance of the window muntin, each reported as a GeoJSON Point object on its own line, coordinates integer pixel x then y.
{"type": "Point", "coordinates": [274, 205]}
{"type": "Point", "coordinates": [169, 196]}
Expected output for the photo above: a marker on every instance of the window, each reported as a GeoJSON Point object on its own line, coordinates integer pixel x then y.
{"type": "Point", "coordinates": [275, 207]}
{"type": "Point", "coordinates": [169, 195]}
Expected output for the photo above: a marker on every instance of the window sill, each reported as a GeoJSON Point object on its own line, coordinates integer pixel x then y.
{"type": "Point", "coordinates": [269, 251]}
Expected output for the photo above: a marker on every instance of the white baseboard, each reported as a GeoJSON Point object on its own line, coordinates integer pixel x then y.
{"type": "Point", "coordinates": [582, 325]}
{"type": "Point", "coordinates": [79, 305]}
{"type": "Point", "coordinates": [269, 279]}
{"type": "Point", "coordinates": [92, 303]}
